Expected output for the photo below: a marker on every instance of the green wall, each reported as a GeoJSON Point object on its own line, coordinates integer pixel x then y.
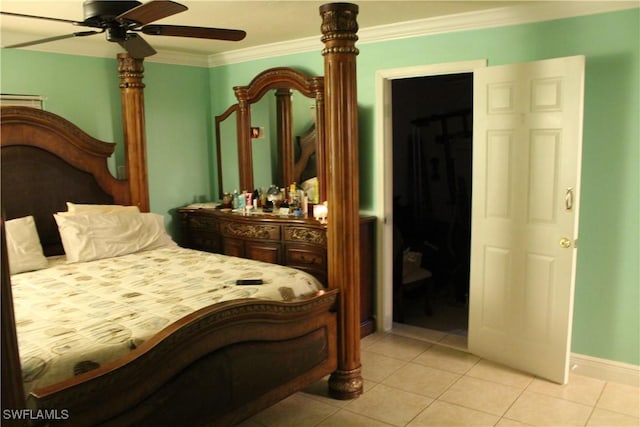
{"type": "Point", "coordinates": [179, 135]}
{"type": "Point", "coordinates": [85, 91]}
{"type": "Point", "coordinates": [80, 89]}
{"type": "Point", "coordinates": [181, 101]}
{"type": "Point", "coordinates": [606, 319]}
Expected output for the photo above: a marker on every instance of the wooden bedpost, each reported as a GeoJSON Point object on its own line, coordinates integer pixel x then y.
{"type": "Point", "coordinates": [12, 388]}
{"type": "Point", "coordinates": [339, 28]}
{"type": "Point", "coordinates": [132, 94]}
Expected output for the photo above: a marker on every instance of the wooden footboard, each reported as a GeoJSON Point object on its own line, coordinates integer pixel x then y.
{"type": "Point", "coordinates": [217, 366]}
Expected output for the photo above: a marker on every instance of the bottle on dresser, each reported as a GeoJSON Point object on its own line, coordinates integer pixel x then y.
{"type": "Point", "coordinates": [235, 199]}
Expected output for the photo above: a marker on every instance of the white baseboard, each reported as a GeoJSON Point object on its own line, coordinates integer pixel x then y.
{"type": "Point", "coordinates": [608, 370]}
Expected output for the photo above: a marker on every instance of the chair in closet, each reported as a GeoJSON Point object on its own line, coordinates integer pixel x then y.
{"type": "Point", "coordinates": [408, 275]}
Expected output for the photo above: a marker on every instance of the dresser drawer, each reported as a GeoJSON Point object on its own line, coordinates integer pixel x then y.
{"type": "Point", "coordinates": [197, 222]}
{"type": "Point", "coordinates": [310, 235]}
{"type": "Point", "coordinates": [204, 241]}
{"type": "Point", "coordinates": [233, 247]}
{"type": "Point", "coordinates": [305, 256]}
{"type": "Point", "coordinates": [263, 251]}
{"type": "Point", "coordinates": [251, 231]}
{"type": "Point", "coordinates": [308, 261]}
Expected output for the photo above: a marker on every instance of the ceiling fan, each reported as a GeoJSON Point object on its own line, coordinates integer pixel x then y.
{"type": "Point", "coordinates": [121, 21]}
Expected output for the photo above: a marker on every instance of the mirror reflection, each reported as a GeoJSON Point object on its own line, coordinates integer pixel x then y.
{"type": "Point", "coordinates": [268, 153]}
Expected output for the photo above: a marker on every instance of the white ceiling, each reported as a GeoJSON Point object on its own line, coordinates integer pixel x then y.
{"type": "Point", "coordinates": [267, 23]}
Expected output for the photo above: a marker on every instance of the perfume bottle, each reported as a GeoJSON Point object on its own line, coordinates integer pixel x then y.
{"type": "Point", "coordinates": [235, 201]}
{"type": "Point", "coordinates": [242, 200]}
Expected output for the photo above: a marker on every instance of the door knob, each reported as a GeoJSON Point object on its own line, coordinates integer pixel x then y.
{"type": "Point", "coordinates": [565, 243]}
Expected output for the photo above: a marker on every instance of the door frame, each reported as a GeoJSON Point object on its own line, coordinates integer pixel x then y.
{"type": "Point", "coordinates": [384, 181]}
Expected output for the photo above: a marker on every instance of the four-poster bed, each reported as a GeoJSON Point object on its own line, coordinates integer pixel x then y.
{"type": "Point", "coordinates": [226, 361]}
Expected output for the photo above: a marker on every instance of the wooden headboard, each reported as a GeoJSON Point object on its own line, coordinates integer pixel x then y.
{"type": "Point", "coordinates": [37, 181]}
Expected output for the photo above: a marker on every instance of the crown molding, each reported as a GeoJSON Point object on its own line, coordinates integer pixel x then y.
{"type": "Point", "coordinates": [95, 51]}
{"type": "Point", "coordinates": [499, 17]}
{"type": "Point", "coordinates": [289, 47]}
{"type": "Point", "coordinates": [179, 58]}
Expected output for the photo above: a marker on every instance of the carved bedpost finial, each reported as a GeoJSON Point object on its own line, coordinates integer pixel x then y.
{"type": "Point", "coordinates": [131, 71]}
{"type": "Point", "coordinates": [339, 25]}
{"type": "Point", "coordinates": [339, 29]}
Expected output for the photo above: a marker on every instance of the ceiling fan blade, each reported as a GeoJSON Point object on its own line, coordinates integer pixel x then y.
{"type": "Point", "coordinates": [22, 15]}
{"type": "Point", "coordinates": [196, 32]}
{"type": "Point", "coordinates": [51, 39]}
{"type": "Point", "coordinates": [151, 11]}
{"type": "Point", "coordinates": [137, 46]}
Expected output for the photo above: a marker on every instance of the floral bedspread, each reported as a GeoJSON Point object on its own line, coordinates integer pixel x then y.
{"type": "Point", "coordinates": [71, 318]}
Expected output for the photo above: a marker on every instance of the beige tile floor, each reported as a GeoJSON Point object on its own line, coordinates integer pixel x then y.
{"type": "Point", "coordinates": [411, 382]}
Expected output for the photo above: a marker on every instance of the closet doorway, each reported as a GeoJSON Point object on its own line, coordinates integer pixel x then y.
{"type": "Point", "coordinates": [514, 188]}
{"type": "Point", "coordinates": [432, 127]}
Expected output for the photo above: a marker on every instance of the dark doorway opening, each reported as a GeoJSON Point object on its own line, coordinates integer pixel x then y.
{"type": "Point", "coordinates": [432, 183]}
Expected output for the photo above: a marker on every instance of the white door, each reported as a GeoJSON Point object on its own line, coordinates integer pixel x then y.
{"type": "Point", "coordinates": [526, 178]}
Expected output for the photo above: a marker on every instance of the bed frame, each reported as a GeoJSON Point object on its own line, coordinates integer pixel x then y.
{"type": "Point", "coordinates": [221, 363]}
{"type": "Point", "coordinates": [225, 362]}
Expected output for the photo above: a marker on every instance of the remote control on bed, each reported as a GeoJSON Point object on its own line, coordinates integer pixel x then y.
{"type": "Point", "coordinates": [241, 282]}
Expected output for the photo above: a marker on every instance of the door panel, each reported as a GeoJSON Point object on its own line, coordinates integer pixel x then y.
{"type": "Point", "coordinates": [526, 171]}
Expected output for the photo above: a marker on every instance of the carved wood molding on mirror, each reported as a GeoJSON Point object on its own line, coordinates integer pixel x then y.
{"type": "Point", "coordinates": [219, 152]}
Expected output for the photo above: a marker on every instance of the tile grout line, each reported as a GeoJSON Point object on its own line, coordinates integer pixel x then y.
{"type": "Point", "coordinates": [514, 402]}
{"type": "Point", "coordinates": [595, 404]}
{"type": "Point", "coordinates": [437, 399]}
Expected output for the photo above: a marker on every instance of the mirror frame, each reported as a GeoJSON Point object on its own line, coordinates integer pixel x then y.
{"type": "Point", "coordinates": [219, 119]}
{"type": "Point", "coordinates": [283, 79]}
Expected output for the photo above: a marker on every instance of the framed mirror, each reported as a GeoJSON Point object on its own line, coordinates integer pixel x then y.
{"type": "Point", "coordinates": [280, 122]}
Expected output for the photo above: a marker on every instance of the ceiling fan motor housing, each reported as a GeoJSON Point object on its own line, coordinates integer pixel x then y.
{"type": "Point", "coordinates": [102, 13]}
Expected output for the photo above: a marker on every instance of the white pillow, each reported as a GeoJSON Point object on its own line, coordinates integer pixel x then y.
{"type": "Point", "coordinates": [23, 246]}
{"type": "Point", "coordinates": [87, 237]}
{"type": "Point", "coordinates": [77, 208]}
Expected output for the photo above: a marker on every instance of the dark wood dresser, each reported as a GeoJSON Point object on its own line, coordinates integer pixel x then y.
{"type": "Point", "coordinates": [295, 242]}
